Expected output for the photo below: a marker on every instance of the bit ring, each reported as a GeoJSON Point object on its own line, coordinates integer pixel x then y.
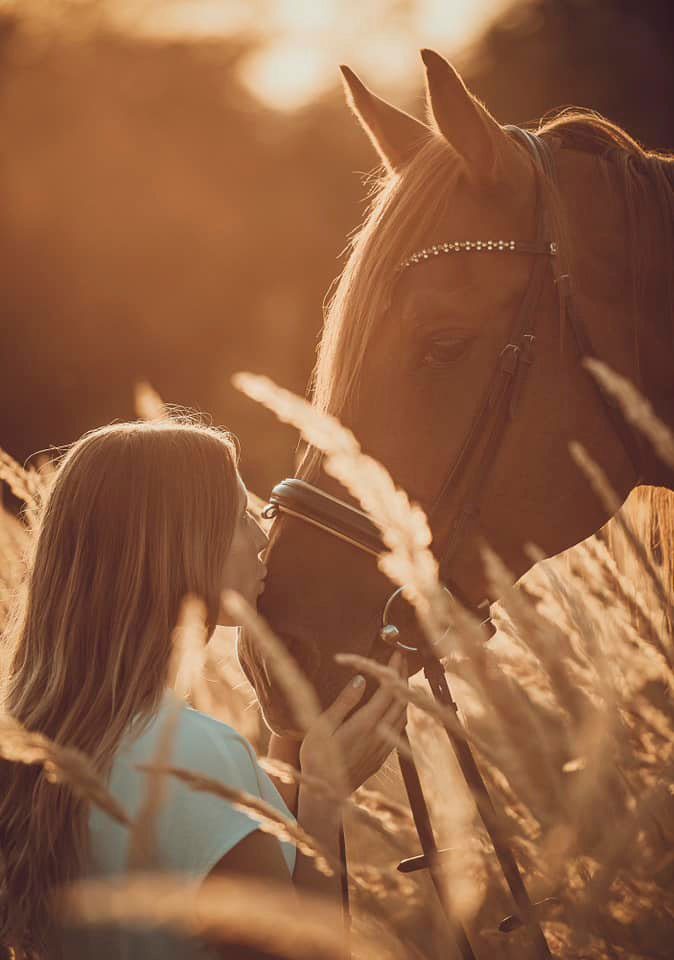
{"type": "Point", "coordinates": [389, 633]}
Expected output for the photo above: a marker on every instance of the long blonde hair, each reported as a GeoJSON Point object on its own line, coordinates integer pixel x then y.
{"type": "Point", "coordinates": [138, 515]}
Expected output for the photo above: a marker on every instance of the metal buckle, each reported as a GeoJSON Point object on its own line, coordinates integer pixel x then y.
{"type": "Point", "coordinates": [528, 344]}
{"type": "Point", "coordinates": [507, 367]}
{"type": "Point", "coordinates": [509, 357]}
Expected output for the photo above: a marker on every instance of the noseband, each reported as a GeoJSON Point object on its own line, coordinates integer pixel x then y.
{"type": "Point", "coordinates": [299, 499]}
{"type": "Point", "coordinates": [476, 458]}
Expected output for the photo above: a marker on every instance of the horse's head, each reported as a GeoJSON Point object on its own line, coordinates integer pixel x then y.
{"type": "Point", "coordinates": [409, 356]}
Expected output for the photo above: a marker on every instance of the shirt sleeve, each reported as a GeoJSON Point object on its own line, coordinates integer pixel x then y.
{"type": "Point", "coordinates": [197, 829]}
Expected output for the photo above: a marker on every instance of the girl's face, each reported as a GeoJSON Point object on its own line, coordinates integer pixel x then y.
{"type": "Point", "coordinates": [244, 569]}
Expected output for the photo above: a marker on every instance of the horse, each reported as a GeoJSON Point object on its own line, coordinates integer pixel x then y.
{"type": "Point", "coordinates": [490, 263]}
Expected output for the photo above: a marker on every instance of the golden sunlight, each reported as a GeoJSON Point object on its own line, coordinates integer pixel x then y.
{"type": "Point", "coordinates": [299, 43]}
{"type": "Point", "coordinates": [418, 695]}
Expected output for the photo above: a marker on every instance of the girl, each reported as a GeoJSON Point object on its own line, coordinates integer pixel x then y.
{"type": "Point", "coordinates": [138, 516]}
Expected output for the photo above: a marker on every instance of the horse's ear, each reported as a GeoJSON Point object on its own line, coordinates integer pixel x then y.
{"type": "Point", "coordinates": [462, 119]}
{"type": "Point", "coordinates": [395, 135]}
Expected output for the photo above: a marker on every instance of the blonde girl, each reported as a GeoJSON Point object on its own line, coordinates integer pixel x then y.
{"type": "Point", "coordinates": [139, 515]}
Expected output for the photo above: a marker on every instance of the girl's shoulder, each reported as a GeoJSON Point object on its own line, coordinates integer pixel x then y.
{"type": "Point", "coordinates": [180, 736]}
{"type": "Point", "coordinates": [194, 827]}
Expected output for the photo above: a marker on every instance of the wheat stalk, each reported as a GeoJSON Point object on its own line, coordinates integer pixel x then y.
{"type": "Point", "coordinates": [370, 805]}
{"type": "Point", "coordinates": [142, 839]}
{"type": "Point", "coordinates": [298, 690]}
{"type": "Point", "coordinates": [270, 819]}
{"type": "Point", "coordinates": [147, 402]}
{"type": "Point", "coordinates": [287, 773]}
{"type": "Point", "coordinates": [607, 495]}
{"type": "Point", "coordinates": [186, 677]}
{"type": "Point", "coordinates": [25, 484]}
{"type": "Point", "coordinates": [225, 910]}
{"type": "Point", "coordinates": [636, 408]}
{"type": "Point", "coordinates": [63, 765]}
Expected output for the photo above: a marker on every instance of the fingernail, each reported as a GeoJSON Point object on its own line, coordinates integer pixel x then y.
{"type": "Point", "coordinates": [358, 681]}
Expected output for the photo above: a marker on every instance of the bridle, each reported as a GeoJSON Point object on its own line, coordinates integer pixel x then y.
{"type": "Point", "coordinates": [499, 403]}
{"type": "Point", "coordinates": [472, 467]}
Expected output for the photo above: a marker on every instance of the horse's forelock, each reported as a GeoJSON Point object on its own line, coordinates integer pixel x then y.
{"type": "Point", "coordinates": [404, 208]}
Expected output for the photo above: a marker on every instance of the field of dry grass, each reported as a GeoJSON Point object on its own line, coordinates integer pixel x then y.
{"type": "Point", "coordinates": [568, 708]}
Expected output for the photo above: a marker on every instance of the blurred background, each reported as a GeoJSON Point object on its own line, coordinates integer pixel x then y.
{"type": "Point", "coordinates": [179, 179]}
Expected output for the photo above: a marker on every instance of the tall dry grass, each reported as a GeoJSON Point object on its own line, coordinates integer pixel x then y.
{"type": "Point", "coordinates": [238, 913]}
{"type": "Point", "coordinates": [568, 709]}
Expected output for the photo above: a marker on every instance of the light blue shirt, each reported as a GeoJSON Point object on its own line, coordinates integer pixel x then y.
{"type": "Point", "coordinates": [193, 830]}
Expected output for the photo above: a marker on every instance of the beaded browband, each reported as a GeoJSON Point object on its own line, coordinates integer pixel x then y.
{"type": "Point", "coordinates": [547, 248]}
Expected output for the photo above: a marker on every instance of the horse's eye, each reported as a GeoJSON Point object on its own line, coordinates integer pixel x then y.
{"type": "Point", "coordinates": [442, 351]}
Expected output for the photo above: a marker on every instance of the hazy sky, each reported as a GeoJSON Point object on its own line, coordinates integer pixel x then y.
{"type": "Point", "coordinates": [303, 41]}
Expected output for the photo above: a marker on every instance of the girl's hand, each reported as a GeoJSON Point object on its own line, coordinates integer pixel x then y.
{"type": "Point", "coordinates": [356, 740]}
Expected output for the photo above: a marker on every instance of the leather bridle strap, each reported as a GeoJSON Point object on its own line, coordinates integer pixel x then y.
{"type": "Point", "coordinates": [632, 442]}
{"type": "Point", "coordinates": [499, 402]}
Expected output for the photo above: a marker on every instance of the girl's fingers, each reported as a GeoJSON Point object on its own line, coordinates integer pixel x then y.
{"type": "Point", "coordinates": [398, 706]}
{"type": "Point", "coordinates": [399, 663]}
{"type": "Point", "coordinates": [395, 714]}
{"type": "Point", "coordinates": [372, 712]}
{"type": "Point", "coordinates": [344, 702]}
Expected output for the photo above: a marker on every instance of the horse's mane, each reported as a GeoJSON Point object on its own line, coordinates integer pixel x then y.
{"type": "Point", "coordinates": [589, 130]}
{"type": "Point", "coordinates": [645, 179]}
